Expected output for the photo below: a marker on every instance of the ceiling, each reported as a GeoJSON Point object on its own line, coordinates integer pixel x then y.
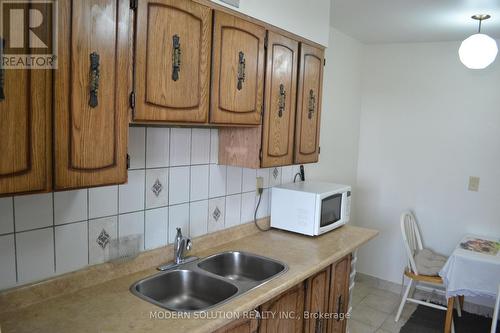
{"type": "Point", "coordinates": [406, 21]}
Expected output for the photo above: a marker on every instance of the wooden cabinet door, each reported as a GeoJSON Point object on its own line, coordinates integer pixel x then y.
{"type": "Point", "coordinates": [91, 125]}
{"type": "Point", "coordinates": [238, 71]}
{"type": "Point", "coordinates": [339, 294]}
{"type": "Point", "coordinates": [173, 45]}
{"type": "Point", "coordinates": [244, 325]}
{"type": "Point", "coordinates": [317, 296]}
{"type": "Point", "coordinates": [290, 303]}
{"type": "Point", "coordinates": [25, 131]}
{"type": "Point", "coordinates": [308, 104]}
{"type": "Point", "coordinates": [280, 92]}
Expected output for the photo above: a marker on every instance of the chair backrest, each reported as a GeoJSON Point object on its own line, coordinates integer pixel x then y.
{"type": "Point", "coordinates": [411, 238]}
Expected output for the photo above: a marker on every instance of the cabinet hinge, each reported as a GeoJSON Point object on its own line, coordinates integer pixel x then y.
{"type": "Point", "coordinates": [319, 150]}
{"type": "Point", "coordinates": [133, 4]}
{"type": "Point", "coordinates": [132, 100]}
{"type": "Point", "coordinates": [260, 154]}
{"type": "Point", "coordinates": [128, 161]}
{"type": "Point", "coordinates": [324, 62]}
{"type": "Point", "coordinates": [266, 41]}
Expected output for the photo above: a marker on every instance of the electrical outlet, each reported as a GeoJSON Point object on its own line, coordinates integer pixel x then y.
{"type": "Point", "coordinates": [474, 183]}
{"type": "Point", "coordinates": [260, 184]}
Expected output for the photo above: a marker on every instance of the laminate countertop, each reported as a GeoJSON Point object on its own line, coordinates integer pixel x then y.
{"type": "Point", "coordinates": [111, 307]}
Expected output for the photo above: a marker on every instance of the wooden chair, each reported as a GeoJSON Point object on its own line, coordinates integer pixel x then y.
{"type": "Point", "coordinates": [413, 243]}
{"type": "Point", "coordinates": [495, 312]}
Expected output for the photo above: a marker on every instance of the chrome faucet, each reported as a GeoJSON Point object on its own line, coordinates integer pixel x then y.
{"type": "Point", "coordinates": [181, 246]}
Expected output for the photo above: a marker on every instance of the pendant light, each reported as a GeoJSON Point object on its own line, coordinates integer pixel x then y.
{"type": "Point", "coordinates": [479, 50]}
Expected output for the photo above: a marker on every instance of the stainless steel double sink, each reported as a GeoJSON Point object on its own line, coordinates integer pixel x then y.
{"type": "Point", "coordinates": [204, 283]}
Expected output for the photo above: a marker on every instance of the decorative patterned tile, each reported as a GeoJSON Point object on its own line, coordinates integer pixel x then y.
{"type": "Point", "coordinates": [35, 255]}
{"type": "Point", "coordinates": [180, 146]}
{"type": "Point", "coordinates": [275, 176]}
{"type": "Point", "coordinates": [70, 206]}
{"type": "Point", "coordinates": [156, 188]}
{"type": "Point", "coordinates": [98, 254]}
{"type": "Point", "coordinates": [216, 214]}
{"type": "Point", "coordinates": [103, 239]}
{"type": "Point", "coordinates": [33, 211]}
{"type": "Point", "coordinates": [157, 147]}
{"type": "Point", "coordinates": [6, 215]}
{"type": "Point", "coordinates": [71, 247]}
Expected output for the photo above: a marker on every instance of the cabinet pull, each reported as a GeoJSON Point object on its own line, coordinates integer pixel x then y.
{"type": "Point", "coordinates": [2, 70]}
{"type": "Point", "coordinates": [241, 70]}
{"type": "Point", "coordinates": [94, 79]}
{"type": "Point", "coordinates": [281, 101]}
{"type": "Point", "coordinates": [312, 104]}
{"type": "Point", "coordinates": [339, 307]}
{"type": "Point", "coordinates": [319, 325]}
{"type": "Point", "coordinates": [176, 57]}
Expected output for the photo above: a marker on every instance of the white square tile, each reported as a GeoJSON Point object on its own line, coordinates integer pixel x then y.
{"type": "Point", "coordinates": [137, 147]}
{"type": "Point", "coordinates": [131, 224]}
{"type": "Point", "coordinates": [35, 255]}
{"type": "Point", "coordinates": [234, 175]}
{"type": "Point", "coordinates": [288, 173]}
{"type": "Point", "coordinates": [216, 214]}
{"type": "Point", "coordinates": [103, 201]}
{"type": "Point", "coordinates": [275, 176]}
{"type": "Point", "coordinates": [247, 207]}
{"type": "Point", "coordinates": [70, 206]}
{"type": "Point", "coordinates": [249, 180]}
{"type": "Point", "coordinates": [217, 180]}
{"type": "Point", "coordinates": [7, 262]}
{"type": "Point", "coordinates": [180, 146]}
{"type": "Point", "coordinates": [157, 147]}
{"type": "Point", "coordinates": [156, 188]}
{"type": "Point", "coordinates": [131, 195]}
{"type": "Point", "coordinates": [199, 182]}
{"type": "Point", "coordinates": [233, 210]}
{"type": "Point", "coordinates": [264, 173]}
{"type": "Point", "coordinates": [214, 145]}
{"type": "Point", "coordinates": [33, 211]}
{"type": "Point", "coordinates": [198, 215]}
{"type": "Point", "coordinates": [200, 146]}
{"type": "Point", "coordinates": [178, 185]}
{"type": "Point", "coordinates": [108, 225]}
{"type": "Point", "coordinates": [178, 217]}
{"type": "Point", "coordinates": [7, 215]}
{"type": "Point", "coordinates": [264, 204]}
{"type": "Point", "coordinates": [72, 247]}
{"type": "Point", "coordinates": [156, 228]}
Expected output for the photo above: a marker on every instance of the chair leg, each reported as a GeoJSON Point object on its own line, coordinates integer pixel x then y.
{"type": "Point", "coordinates": [448, 325]}
{"type": "Point", "coordinates": [495, 313]}
{"type": "Point", "coordinates": [403, 301]}
{"type": "Point", "coordinates": [459, 305]}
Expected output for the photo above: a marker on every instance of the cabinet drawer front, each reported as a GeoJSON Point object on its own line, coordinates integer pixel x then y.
{"type": "Point", "coordinates": [91, 93]}
{"type": "Point", "coordinates": [173, 61]}
{"type": "Point", "coordinates": [238, 71]}
{"type": "Point", "coordinates": [309, 104]}
{"type": "Point", "coordinates": [279, 114]}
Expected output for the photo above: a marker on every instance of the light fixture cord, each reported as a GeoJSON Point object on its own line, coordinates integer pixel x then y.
{"type": "Point", "coordinates": [480, 22]}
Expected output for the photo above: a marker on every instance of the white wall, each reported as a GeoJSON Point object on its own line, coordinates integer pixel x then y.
{"type": "Point", "coordinates": [341, 112]}
{"type": "Point", "coordinates": [427, 124]}
{"type": "Point", "coordinates": [309, 19]}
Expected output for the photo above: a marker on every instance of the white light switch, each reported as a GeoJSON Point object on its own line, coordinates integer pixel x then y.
{"type": "Point", "coordinates": [474, 183]}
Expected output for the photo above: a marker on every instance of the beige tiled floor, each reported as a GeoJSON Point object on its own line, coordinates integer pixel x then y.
{"type": "Point", "coordinates": [374, 310]}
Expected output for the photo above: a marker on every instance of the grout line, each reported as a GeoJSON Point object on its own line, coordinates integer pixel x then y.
{"type": "Point", "coordinates": [145, 195]}
{"type": "Point", "coordinates": [88, 226]}
{"type": "Point", "coordinates": [15, 240]}
{"type": "Point", "coordinates": [54, 229]}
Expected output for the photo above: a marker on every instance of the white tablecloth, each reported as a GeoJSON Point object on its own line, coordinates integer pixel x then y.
{"type": "Point", "coordinates": [471, 273]}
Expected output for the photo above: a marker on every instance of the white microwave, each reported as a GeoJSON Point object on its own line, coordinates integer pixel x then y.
{"type": "Point", "coordinates": [310, 208]}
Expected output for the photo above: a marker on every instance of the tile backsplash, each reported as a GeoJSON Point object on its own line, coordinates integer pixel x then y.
{"type": "Point", "coordinates": [173, 181]}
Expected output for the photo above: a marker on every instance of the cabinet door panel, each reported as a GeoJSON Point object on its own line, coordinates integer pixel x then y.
{"type": "Point", "coordinates": [309, 104]}
{"type": "Point", "coordinates": [249, 325]}
{"type": "Point", "coordinates": [290, 302]}
{"type": "Point", "coordinates": [238, 71]}
{"type": "Point", "coordinates": [91, 124]}
{"type": "Point", "coordinates": [318, 288]}
{"type": "Point", "coordinates": [279, 111]}
{"type": "Point", "coordinates": [168, 90]}
{"type": "Point", "coordinates": [339, 294]}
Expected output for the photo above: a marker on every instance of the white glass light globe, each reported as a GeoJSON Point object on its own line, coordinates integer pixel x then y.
{"type": "Point", "coordinates": [478, 51]}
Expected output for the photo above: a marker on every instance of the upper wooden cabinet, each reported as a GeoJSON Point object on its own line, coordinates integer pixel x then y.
{"type": "Point", "coordinates": [308, 104]}
{"type": "Point", "coordinates": [91, 93]}
{"type": "Point", "coordinates": [280, 93]}
{"type": "Point", "coordinates": [237, 71]}
{"type": "Point", "coordinates": [25, 131]}
{"type": "Point", "coordinates": [173, 48]}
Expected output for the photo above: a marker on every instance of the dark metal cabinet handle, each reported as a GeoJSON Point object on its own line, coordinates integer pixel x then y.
{"type": "Point", "coordinates": [94, 79]}
{"type": "Point", "coordinates": [339, 307]}
{"type": "Point", "coordinates": [281, 101]}
{"type": "Point", "coordinates": [241, 70]}
{"type": "Point", "coordinates": [2, 70]}
{"type": "Point", "coordinates": [176, 57]}
{"type": "Point", "coordinates": [319, 325]}
{"type": "Point", "coordinates": [312, 104]}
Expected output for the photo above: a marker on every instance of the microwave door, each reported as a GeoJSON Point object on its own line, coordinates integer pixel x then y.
{"type": "Point", "coordinates": [331, 210]}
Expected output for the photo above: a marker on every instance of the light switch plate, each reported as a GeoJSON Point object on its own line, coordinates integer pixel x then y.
{"type": "Point", "coordinates": [234, 3]}
{"type": "Point", "coordinates": [474, 183]}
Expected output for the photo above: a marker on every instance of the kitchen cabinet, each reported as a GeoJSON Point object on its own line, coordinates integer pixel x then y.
{"type": "Point", "coordinates": [25, 130]}
{"type": "Point", "coordinates": [288, 309]}
{"type": "Point", "coordinates": [318, 287]}
{"type": "Point", "coordinates": [91, 93]}
{"type": "Point", "coordinates": [243, 325]}
{"type": "Point", "coordinates": [308, 104]}
{"type": "Point", "coordinates": [237, 71]}
{"type": "Point", "coordinates": [339, 294]}
{"type": "Point", "coordinates": [172, 61]}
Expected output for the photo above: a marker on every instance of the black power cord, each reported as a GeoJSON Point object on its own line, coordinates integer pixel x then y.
{"type": "Point", "coordinates": [255, 213]}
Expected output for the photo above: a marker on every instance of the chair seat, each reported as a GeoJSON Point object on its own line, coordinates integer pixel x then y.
{"type": "Point", "coordinates": [424, 278]}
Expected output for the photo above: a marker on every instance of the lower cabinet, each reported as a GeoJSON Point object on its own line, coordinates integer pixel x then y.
{"type": "Point", "coordinates": [317, 305]}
